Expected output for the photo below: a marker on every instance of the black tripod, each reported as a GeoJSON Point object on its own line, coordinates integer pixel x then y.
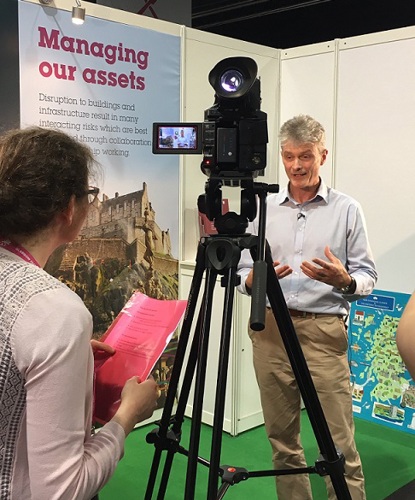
{"type": "Point", "coordinates": [219, 255]}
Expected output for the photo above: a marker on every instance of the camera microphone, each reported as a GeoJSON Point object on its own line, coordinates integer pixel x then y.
{"type": "Point", "coordinates": [300, 215]}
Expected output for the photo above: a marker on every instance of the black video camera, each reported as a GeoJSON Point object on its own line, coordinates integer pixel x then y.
{"type": "Point", "coordinates": [233, 139]}
{"type": "Point", "coordinates": [234, 136]}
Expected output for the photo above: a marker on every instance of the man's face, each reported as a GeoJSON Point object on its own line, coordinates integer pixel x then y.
{"type": "Point", "coordinates": [302, 164]}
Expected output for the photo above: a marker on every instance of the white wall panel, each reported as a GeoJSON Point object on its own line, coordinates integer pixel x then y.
{"type": "Point", "coordinates": [308, 81]}
{"type": "Point", "coordinates": [375, 143]}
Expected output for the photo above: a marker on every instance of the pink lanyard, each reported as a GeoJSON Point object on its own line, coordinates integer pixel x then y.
{"type": "Point", "coordinates": [19, 251]}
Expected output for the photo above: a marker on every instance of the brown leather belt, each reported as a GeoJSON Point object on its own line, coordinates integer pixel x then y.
{"type": "Point", "coordinates": [294, 313]}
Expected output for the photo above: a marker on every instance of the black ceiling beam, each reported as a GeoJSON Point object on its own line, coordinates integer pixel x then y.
{"type": "Point", "coordinates": [233, 12]}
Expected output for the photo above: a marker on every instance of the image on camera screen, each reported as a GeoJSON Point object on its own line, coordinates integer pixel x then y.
{"type": "Point", "coordinates": [176, 138]}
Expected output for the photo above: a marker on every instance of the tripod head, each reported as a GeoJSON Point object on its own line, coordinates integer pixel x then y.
{"type": "Point", "coordinates": [232, 223]}
{"type": "Point", "coordinates": [233, 226]}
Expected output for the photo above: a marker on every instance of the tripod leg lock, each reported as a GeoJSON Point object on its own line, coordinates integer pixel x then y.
{"type": "Point", "coordinates": [233, 475]}
{"type": "Point", "coordinates": [170, 441]}
{"type": "Point", "coordinates": [324, 467]}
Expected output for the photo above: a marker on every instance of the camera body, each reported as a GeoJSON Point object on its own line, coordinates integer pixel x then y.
{"type": "Point", "coordinates": [233, 137]}
{"type": "Point", "coordinates": [233, 140]}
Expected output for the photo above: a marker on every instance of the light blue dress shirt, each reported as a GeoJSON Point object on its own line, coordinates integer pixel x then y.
{"type": "Point", "coordinates": [330, 218]}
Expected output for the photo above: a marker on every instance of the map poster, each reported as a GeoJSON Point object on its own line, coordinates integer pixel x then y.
{"type": "Point", "coordinates": [383, 390]}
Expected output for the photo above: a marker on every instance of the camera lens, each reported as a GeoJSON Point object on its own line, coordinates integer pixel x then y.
{"type": "Point", "coordinates": [231, 80]}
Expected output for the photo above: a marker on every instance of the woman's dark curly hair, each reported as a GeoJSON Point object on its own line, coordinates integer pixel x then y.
{"type": "Point", "coordinates": [40, 169]}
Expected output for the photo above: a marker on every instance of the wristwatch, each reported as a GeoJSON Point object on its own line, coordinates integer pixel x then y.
{"type": "Point", "coordinates": [350, 288]}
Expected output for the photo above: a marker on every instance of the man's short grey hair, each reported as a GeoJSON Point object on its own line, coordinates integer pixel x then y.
{"type": "Point", "coordinates": [303, 129]}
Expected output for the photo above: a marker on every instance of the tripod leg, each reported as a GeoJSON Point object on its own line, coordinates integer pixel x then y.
{"type": "Point", "coordinates": [199, 385]}
{"type": "Point", "coordinates": [159, 438]}
{"type": "Point", "coordinates": [221, 384]}
{"type": "Point", "coordinates": [181, 407]}
{"type": "Point", "coordinates": [332, 463]}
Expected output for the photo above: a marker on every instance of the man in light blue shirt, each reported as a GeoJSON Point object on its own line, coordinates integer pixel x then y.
{"type": "Point", "coordinates": [323, 260]}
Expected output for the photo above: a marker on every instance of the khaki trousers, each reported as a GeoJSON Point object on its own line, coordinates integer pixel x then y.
{"type": "Point", "coordinates": [323, 339]}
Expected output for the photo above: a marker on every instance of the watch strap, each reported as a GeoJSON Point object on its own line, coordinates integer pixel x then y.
{"type": "Point", "coordinates": [350, 288]}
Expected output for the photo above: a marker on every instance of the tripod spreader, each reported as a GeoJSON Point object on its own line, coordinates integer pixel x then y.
{"type": "Point", "coordinates": [325, 467]}
{"type": "Point", "coordinates": [233, 475]}
{"type": "Point", "coordinates": [170, 441]}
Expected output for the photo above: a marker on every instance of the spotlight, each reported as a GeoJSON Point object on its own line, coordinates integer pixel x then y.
{"type": "Point", "coordinates": [78, 13]}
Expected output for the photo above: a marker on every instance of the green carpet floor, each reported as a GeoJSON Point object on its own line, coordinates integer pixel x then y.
{"type": "Point", "coordinates": [388, 458]}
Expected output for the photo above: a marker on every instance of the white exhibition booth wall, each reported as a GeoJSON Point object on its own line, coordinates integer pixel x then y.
{"type": "Point", "coordinates": [361, 89]}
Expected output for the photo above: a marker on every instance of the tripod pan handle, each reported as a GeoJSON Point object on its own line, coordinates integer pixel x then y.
{"type": "Point", "coordinates": [258, 295]}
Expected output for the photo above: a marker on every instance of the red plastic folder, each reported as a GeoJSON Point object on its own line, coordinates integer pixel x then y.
{"type": "Point", "coordinates": [139, 335]}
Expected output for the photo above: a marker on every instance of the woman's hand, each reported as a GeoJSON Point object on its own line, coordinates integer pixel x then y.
{"type": "Point", "coordinates": [97, 346]}
{"type": "Point", "coordinates": [138, 402]}
{"type": "Point", "coordinates": [101, 353]}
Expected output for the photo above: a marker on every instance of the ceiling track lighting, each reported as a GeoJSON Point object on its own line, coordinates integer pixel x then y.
{"type": "Point", "coordinates": [78, 13]}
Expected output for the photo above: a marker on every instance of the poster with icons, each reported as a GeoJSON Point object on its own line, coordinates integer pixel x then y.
{"type": "Point", "coordinates": [382, 389]}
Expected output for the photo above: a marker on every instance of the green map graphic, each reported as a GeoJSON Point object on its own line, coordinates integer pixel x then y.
{"type": "Point", "coordinates": [383, 390]}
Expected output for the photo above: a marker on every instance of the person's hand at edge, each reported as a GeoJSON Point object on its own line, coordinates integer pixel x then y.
{"type": "Point", "coordinates": [102, 352]}
{"type": "Point", "coordinates": [138, 402]}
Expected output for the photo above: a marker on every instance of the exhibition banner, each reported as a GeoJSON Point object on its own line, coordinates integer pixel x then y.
{"type": "Point", "coordinates": [105, 83]}
{"type": "Point", "coordinates": [383, 390]}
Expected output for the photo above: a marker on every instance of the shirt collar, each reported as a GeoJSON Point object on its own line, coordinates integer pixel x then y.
{"type": "Point", "coordinates": [322, 194]}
